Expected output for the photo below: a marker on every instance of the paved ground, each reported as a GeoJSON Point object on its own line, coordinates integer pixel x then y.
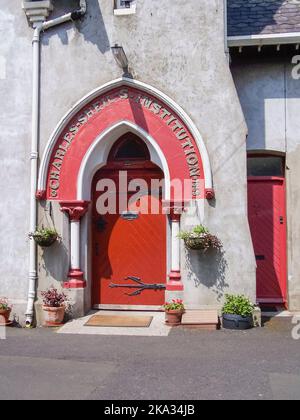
{"type": "Point", "coordinates": [187, 364]}
{"type": "Point", "coordinates": [157, 326]}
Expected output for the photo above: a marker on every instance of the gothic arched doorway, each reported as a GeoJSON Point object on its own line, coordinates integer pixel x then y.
{"type": "Point", "coordinates": [129, 250]}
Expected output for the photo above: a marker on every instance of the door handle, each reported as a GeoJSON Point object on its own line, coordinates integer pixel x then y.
{"type": "Point", "coordinates": [281, 220]}
{"type": "Point", "coordinates": [97, 251]}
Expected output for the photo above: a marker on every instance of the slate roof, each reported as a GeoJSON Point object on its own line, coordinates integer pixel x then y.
{"type": "Point", "coordinates": [253, 17]}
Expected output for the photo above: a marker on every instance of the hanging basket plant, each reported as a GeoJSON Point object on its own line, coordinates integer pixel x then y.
{"type": "Point", "coordinates": [44, 237]}
{"type": "Point", "coordinates": [200, 239]}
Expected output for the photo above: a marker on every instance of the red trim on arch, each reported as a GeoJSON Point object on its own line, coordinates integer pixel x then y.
{"type": "Point", "coordinates": [132, 105]}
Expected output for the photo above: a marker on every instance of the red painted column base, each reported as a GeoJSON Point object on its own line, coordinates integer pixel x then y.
{"type": "Point", "coordinates": [175, 284]}
{"type": "Point", "coordinates": [76, 280]}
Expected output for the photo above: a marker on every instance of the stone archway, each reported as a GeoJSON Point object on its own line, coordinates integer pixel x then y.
{"type": "Point", "coordinates": [81, 143]}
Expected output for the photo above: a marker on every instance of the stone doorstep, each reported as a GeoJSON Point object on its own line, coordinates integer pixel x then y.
{"type": "Point", "coordinates": [201, 319]}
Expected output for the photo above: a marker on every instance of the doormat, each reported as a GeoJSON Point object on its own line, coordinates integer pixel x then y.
{"type": "Point", "coordinates": [119, 321]}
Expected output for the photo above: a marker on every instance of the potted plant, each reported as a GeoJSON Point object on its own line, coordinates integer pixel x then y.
{"type": "Point", "coordinates": [174, 311]}
{"type": "Point", "coordinates": [238, 313]}
{"type": "Point", "coordinates": [54, 307]}
{"type": "Point", "coordinates": [5, 310]}
{"type": "Point", "coordinates": [200, 239]}
{"type": "Point", "coordinates": [44, 237]}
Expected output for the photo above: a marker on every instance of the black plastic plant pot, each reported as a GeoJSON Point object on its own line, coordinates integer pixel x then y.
{"type": "Point", "coordinates": [237, 322]}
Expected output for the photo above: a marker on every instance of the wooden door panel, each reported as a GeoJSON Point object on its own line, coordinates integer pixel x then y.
{"type": "Point", "coordinates": [267, 219]}
{"type": "Point", "coordinates": [123, 248]}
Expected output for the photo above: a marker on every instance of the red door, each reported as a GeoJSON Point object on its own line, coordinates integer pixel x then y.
{"type": "Point", "coordinates": [130, 244]}
{"type": "Point", "coordinates": [267, 218]}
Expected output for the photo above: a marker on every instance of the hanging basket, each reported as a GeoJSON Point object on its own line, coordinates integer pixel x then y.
{"type": "Point", "coordinates": [196, 244]}
{"type": "Point", "coordinates": [200, 239]}
{"type": "Point", "coordinates": [45, 241]}
{"type": "Point", "coordinates": [203, 242]}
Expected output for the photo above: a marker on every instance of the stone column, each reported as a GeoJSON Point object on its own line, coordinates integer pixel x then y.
{"type": "Point", "coordinates": [75, 210]}
{"type": "Point", "coordinates": [175, 283]}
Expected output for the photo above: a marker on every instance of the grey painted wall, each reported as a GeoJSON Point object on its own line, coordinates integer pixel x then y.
{"type": "Point", "coordinates": [15, 125]}
{"type": "Point", "coordinates": [270, 99]}
{"type": "Point", "coordinates": [261, 89]}
{"type": "Point", "coordinates": [177, 48]}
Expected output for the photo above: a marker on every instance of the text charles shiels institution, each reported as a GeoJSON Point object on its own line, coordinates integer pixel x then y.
{"type": "Point", "coordinates": [146, 102]}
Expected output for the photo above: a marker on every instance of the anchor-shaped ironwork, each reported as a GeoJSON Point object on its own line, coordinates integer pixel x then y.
{"type": "Point", "coordinates": [140, 286]}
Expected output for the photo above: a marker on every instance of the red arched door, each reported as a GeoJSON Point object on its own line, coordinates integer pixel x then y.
{"type": "Point", "coordinates": [129, 241]}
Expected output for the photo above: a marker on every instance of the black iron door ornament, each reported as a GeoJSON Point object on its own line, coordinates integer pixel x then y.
{"type": "Point", "coordinates": [140, 286]}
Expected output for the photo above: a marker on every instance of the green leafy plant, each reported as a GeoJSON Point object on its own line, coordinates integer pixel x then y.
{"type": "Point", "coordinates": [201, 239]}
{"type": "Point", "coordinates": [4, 305]}
{"type": "Point", "coordinates": [238, 305]}
{"type": "Point", "coordinates": [174, 305]}
{"type": "Point", "coordinates": [44, 236]}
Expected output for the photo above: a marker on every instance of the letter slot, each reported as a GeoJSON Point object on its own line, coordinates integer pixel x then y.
{"type": "Point", "coordinates": [130, 215]}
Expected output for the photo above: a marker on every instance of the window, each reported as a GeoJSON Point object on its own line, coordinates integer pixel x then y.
{"type": "Point", "coordinates": [265, 166]}
{"type": "Point", "coordinates": [125, 7]}
{"type": "Point", "coordinates": [129, 147]}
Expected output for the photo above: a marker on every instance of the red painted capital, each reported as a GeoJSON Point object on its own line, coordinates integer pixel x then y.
{"type": "Point", "coordinates": [175, 214]}
{"type": "Point", "coordinates": [209, 193]}
{"type": "Point", "coordinates": [75, 209]}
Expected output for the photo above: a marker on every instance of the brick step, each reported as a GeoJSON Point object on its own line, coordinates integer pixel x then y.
{"type": "Point", "coordinates": [201, 319]}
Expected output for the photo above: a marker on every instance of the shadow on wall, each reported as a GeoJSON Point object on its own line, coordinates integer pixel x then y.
{"type": "Point", "coordinates": [55, 259]}
{"type": "Point", "coordinates": [247, 17]}
{"type": "Point", "coordinates": [92, 26]}
{"type": "Point", "coordinates": [55, 262]}
{"type": "Point", "coordinates": [208, 270]}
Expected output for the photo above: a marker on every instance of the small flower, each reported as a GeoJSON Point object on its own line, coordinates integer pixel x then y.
{"type": "Point", "coordinates": [4, 304]}
{"type": "Point", "coordinates": [174, 305]}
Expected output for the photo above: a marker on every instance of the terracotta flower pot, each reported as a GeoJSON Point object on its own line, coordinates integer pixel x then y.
{"type": "Point", "coordinates": [4, 316]}
{"type": "Point", "coordinates": [53, 317]}
{"type": "Point", "coordinates": [173, 317]}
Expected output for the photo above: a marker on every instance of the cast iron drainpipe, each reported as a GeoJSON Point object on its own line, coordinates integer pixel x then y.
{"type": "Point", "coordinates": [34, 155]}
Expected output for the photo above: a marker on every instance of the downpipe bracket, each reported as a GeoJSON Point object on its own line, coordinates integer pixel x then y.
{"type": "Point", "coordinates": [77, 15]}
